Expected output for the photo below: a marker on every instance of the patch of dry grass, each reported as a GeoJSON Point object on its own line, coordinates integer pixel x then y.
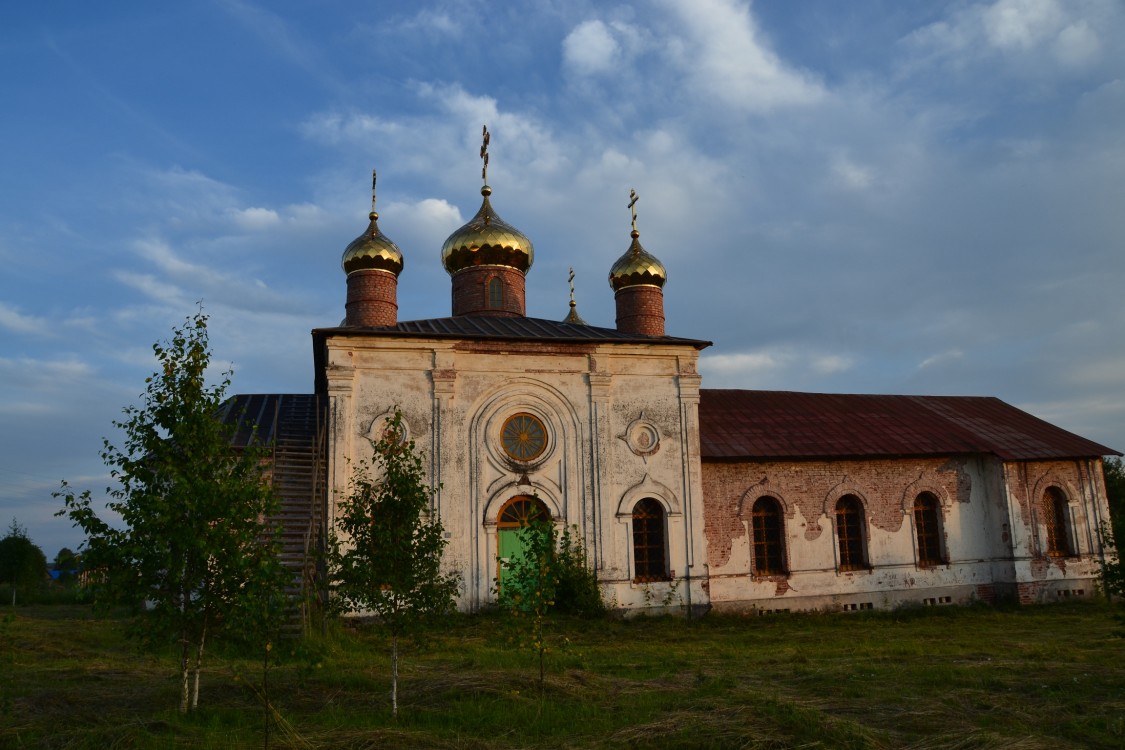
{"type": "Point", "coordinates": [1044, 677]}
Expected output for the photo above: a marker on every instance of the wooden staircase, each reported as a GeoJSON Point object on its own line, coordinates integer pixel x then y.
{"type": "Point", "coordinates": [299, 463]}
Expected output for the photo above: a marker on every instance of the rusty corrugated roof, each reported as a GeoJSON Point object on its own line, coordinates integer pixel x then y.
{"type": "Point", "coordinates": [785, 424]}
{"type": "Point", "coordinates": [511, 328]}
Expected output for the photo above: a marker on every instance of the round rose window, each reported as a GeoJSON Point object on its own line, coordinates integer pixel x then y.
{"type": "Point", "coordinates": [524, 437]}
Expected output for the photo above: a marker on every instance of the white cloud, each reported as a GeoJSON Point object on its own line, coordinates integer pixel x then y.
{"type": "Point", "coordinates": [305, 214]}
{"type": "Point", "coordinates": [723, 52]}
{"type": "Point", "coordinates": [590, 48]}
{"type": "Point", "coordinates": [428, 212]}
{"type": "Point", "coordinates": [17, 322]}
{"type": "Point", "coordinates": [782, 367]}
{"type": "Point", "coordinates": [831, 364]}
{"type": "Point", "coordinates": [336, 127]}
{"type": "Point", "coordinates": [746, 365]}
{"type": "Point", "coordinates": [187, 282]}
{"type": "Point", "coordinates": [1077, 44]}
{"type": "Point", "coordinates": [527, 140]}
{"type": "Point", "coordinates": [943, 358]}
{"type": "Point", "coordinates": [430, 22]}
{"type": "Point", "coordinates": [152, 288]}
{"type": "Point", "coordinates": [1034, 34]}
{"type": "Point", "coordinates": [255, 218]}
{"type": "Point", "coordinates": [850, 175]}
{"type": "Point", "coordinates": [1021, 24]}
{"type": "Point", "coordinates": [29, 373]}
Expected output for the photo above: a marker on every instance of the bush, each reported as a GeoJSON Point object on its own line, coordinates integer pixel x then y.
{"type": "Point", "coordinates": [578, 592]}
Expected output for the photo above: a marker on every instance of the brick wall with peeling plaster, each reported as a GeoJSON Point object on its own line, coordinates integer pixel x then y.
{"type": "Point", "coordinates": [991, 551]}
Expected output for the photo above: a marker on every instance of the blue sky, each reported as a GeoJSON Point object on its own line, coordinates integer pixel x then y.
{"type": "Point", "coordinates": [867, 197]}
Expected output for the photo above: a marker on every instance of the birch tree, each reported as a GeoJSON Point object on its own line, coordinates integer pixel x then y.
{"type": "Point", "coordinates": [192, 547]}
{"type": "Point", "coordinates": [386, 550]}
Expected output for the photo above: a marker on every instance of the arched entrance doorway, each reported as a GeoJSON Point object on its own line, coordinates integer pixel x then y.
{"type": "Point", "coordinates": [517, 513]}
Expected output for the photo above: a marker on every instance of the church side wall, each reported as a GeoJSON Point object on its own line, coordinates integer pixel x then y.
{"type": "Point", "coordinates": [975, 540]}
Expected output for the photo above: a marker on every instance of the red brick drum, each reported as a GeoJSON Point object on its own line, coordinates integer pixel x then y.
{"type": "Point", "coordinates": [474, 292]}
{"type": "Point", "coordinates": [640, 309]}
{"type": "Point", "coordinates": [372, 299]}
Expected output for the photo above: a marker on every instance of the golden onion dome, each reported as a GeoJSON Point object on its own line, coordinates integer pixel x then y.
{"type": "Point", "coordinates": [637, 267]}
{"type": "Point", "coordinates": [487, 240]}
{"type": "Point", "coordinates": [372, 250]}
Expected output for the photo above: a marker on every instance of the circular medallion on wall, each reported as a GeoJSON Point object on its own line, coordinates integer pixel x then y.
{"type": "Point", "coordinates": [382, 428]}
{"type": "Point", "coordinates": [523, 437]}
{"type": "Point", "coordinates": [642, 437]}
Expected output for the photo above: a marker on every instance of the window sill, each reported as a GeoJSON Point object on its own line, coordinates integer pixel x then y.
{"type": "Point", "coordinates": [770, 577]}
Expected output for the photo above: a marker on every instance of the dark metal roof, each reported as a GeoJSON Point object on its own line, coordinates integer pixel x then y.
{"type": "Point", "coordinates": [783, 424]}
{"type": "Point", "coordinates": [261, 418]}
{"type": "Point", "coordinates": [496, 327]}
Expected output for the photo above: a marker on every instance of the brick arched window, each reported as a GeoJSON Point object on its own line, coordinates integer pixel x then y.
{"type": "Point", "coordinates": [649, 558]}
{"type": "Point", "coordinates": [1056, 515]}
{"type": "Point", "coordinates": [769, 533]}
{"type": "Point", "coordinates": [927, 527]}
{"type": "Point", "coordinates": [850, 534]}
{"type": "Point", "coordinates": [496, 293]}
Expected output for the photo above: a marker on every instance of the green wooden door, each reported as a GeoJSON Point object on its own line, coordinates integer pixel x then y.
{"type": "Point", "coordinates": [510, 546]}
{"type": "Point", "coordinates": [515, 515]}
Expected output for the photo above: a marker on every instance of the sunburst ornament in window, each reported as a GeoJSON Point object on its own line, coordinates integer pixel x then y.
{"type": "Point", "coordinates": [524, 437]}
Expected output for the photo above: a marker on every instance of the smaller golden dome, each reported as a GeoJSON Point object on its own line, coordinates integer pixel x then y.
{"type": "Point", "coordinates": [487, 240]}
{"type": "Point", "coordinates": [372, 250]}
{"type": "Point", "coordinates": [637, 267]}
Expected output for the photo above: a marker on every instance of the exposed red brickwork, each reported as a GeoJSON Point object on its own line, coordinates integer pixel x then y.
{"type": "Point", "coordinates": [640, 309]}
{"type": "Point", "coordinates": [986, 592]}
{"type": "Point", "coordinates": [1030, 592]}
{"type": "Point", "coordinates": [471, 293]}
{"type": "Point", "coordinates": [372, 298]}
{"type": "Point", "coordinates": [730, 488]}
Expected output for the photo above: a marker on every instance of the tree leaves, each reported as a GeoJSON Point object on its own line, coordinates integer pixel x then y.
{"type": "Point", "coordinates": [195, 551]}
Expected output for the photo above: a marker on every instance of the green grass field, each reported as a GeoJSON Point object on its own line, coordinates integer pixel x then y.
{"type": "Point", "coordinates": [1036, 677]}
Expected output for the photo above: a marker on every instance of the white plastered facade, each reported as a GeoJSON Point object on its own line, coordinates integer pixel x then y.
{"type": "Point", "coordinates": [622, 425]}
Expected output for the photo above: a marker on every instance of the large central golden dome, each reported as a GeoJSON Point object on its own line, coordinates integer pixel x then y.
{"type": "Point", "coordinates": [487, 240]}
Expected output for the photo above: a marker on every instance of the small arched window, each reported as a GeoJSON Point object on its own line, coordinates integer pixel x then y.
{"type": "Point", "coordinates": [649, 559]}
{"type": "Point", "coordinates": [1056, 515]}
{"type": "Point", "coordinates": [495, 293]}
{"type": "Point", "coordinates": [769, 547]}
{"type": "Point", "coordinates": [849, 533]}
{"type": "Point", "coordinates": [927, 525]}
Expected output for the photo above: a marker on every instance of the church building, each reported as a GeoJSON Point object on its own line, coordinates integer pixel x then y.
{"type": "Point", "coordinates": [746, 500]}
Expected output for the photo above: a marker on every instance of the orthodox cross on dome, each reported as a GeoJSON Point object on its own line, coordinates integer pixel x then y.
{"type": "Point", "coordinates": [484, 154]}
{"type": "Point", "coordinates": [573, 317]}
{"type": "Point", "coordinates": [373, 179]}
{"type": "Point", "coordinates": [633, 207]}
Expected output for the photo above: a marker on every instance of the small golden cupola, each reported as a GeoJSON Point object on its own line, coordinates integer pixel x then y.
{"type": "Point", "coordinates": [638, 280]}
{"type": "Point", "coordinates": [488, 259]}
{"type": "Point", "coordinates": [573, 317]}
{"type": "Point", "coordinates": [372, 262]}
